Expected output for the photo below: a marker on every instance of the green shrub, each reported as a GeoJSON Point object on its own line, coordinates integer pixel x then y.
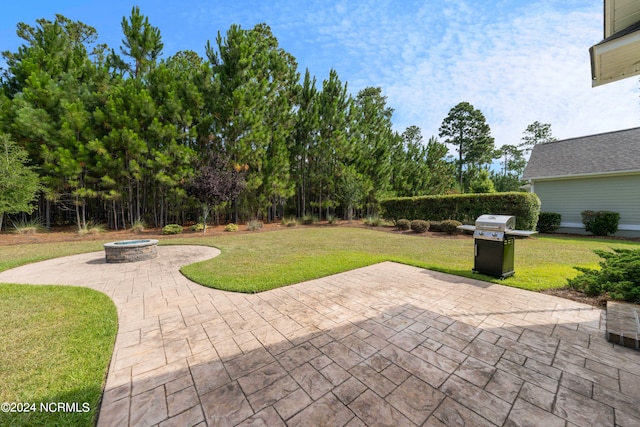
{"type": "Point", "coordinates": [548, 222]}
{"type": "Point", "coordinates": [172, 229]}
{"type": "Point", "coordinates": [309, 219]}
{"type": "Point", "coordinates": [373, 221]}
{"type": "Point", "coordinates": [197, 227]}
{"type": "Point", "coordinates": [231, 227]}
{"type": "Point", "coordinates": [619, 275]}
{"type": "Point", "coordinates": [403, 224]}
{"type": "Point", "coordinates": [254, 225]}
{"type": "Point", "coordinates": [420, 226]}
{"type": "Point", "coordinates": [449, 226]}
{"type": "Point", "coordinates": [466, 207]}
{"type": "Point", "coordinates": [600, 223]}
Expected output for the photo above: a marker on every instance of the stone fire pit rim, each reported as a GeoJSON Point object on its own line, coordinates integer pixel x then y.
{"type": "Point", "coordinates": [130, 250]}
{"type": "Point", "coordinates": [136, 243]}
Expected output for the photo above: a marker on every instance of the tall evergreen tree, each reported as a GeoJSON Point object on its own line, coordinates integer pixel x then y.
{"type": "Point", "coordinates": [421, 169]}
{"type": "Point", "coordinates": [333, 146]}
{"type": "Point", "coordinates": [373, 140]}
{"type": "Point", "coordinates": [536, 133]}
{"type": "Point", "coordinates": [142, 43]}
{"type": "Point", "coordinates": [304, 137]}
{"type": "Point", "coordinates": [466, 129]}
{"type": "Point", "coordinates": [52, 84]}
{"type": "Point", "coordinates": [19, 184]}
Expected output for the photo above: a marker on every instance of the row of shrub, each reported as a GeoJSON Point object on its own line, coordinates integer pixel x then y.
{"type": "Point", "coordinates": [466, 207]}
{"type": "Point", "coordinates": [448, 226]}
{"type": "Point", "coordinates": [178, 229]}
{"type": "Point", "coordinates": [599, 223]}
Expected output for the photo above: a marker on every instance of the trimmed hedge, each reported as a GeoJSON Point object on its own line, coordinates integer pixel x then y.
{"type": "Point", "coordinates": [548, 222]}
{"type": "Point", "coordinates": [466, 207]}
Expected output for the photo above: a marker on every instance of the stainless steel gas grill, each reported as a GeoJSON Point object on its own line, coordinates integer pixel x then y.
{"type": "Point", "coordinates": [494, 238]}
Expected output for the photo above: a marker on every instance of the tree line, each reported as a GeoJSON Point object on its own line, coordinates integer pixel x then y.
{"type": "Point", "coordinates": [127, 136]}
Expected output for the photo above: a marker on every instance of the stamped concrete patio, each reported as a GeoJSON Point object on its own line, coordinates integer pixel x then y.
{"type": "Point", "coordinates": [387, 345]}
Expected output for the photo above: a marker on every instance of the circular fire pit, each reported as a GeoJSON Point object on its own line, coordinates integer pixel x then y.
{"type": "Point", "coordinates": [131, 250]}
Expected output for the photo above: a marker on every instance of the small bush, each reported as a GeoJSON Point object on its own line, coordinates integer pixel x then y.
{"type": "Point", "coordinates": [197, 227]}
{"type": "Point", "coordinates": [333, 220]}
{"type": "Point", "coordinates": [420, 226]}
{"type": "Point", "coordinates": [309, 219]}
{"type": "Point", "coordinates": [403, 224]}
{"type": "Point", "coordinates": [600, 223]}
{"type": "Point", "coordinates": [254, 225]}
{"type": "Point", "coordinates": [29, 226]}
{"type": "Point", "coordinates": [619, 275]}
{"type": "Point", "coordinates": [92, 228]}
{"type": "Point", "coordinates": [138, 226]}
{"type": "Point", "coordinates": [373, 221]}
{"type": "Point", "coordinates": [449, 226]}
{"type": "Point", "coordinates": [548, 222]}
{"type": "Point", "coordinates": [289, 222]}
{"type": "Point", "coordinates": [172, 229]}
{"type": "Point", "coordinates": [231, 227]}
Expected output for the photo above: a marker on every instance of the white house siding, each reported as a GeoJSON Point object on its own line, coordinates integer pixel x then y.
{"type": "Point", "coordinates": [569, 197]}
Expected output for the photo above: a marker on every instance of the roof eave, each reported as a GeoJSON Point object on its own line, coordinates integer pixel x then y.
{"type": "Point", "coordinates": [582, 175]}
{"type": "Point", "coordinates": [610, 61]}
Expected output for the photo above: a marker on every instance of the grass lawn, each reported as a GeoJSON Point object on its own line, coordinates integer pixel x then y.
{"type": "Point", "coordinates": [258, 262]}
{"type": "Point", "coordinates": [255, 262]}
{"type": "Point", "coordinates": [55, 346]}
{"type": "Point", "coordinates": [16, 255]}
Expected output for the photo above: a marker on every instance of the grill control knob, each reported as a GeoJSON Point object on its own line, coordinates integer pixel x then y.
{"type": "Point", "coordinates": [495, 234]}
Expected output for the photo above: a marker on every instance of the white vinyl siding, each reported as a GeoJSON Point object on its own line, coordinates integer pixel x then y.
{"type": "Point", "coordinates": [569, 197]}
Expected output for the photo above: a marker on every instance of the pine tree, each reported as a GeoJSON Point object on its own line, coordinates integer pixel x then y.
{"type": "Point", "coordinates": [19, 184]}
{"type": "Point", "coordinates": [466, 129]}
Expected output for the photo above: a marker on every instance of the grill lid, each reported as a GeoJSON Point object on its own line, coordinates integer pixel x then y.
{"type": "Point", "coordinates": [501, 223]}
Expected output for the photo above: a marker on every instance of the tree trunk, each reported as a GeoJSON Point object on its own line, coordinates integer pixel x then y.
{"type": "Point", "coordinates": [205, 214]}
{"type": "Point", "coordinates": [47, 213]}
{"type": "Point", "coordinates": [78, 215]}
{"type": "Point", "coordinates": [115, 214]}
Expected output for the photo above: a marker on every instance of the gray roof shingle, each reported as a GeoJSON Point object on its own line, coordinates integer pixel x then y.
{"type": "Point", "coordinates": [595, 154]}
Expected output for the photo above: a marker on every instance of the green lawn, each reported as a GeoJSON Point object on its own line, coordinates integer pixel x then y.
{"type": "Point", "coordinates": [254, 262]}
{"type": "Point", "coordinates": [55, 346]}
{"type": "Point", "coordinates": [258, 262]}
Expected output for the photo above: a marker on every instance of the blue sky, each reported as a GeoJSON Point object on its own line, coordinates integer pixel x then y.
{"type": "Point", "coordinates": [516, 60]}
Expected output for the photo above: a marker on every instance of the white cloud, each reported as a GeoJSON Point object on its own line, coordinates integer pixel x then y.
{"type": "Point", "coordinates": [525, 65]}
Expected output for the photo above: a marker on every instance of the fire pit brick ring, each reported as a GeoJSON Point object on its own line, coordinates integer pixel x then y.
{"type": "Point", "coordinates": [130, 250]}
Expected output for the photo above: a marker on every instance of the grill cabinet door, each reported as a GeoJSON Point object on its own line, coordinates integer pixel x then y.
{"type": "Point", "coordinates": [494, 258]}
